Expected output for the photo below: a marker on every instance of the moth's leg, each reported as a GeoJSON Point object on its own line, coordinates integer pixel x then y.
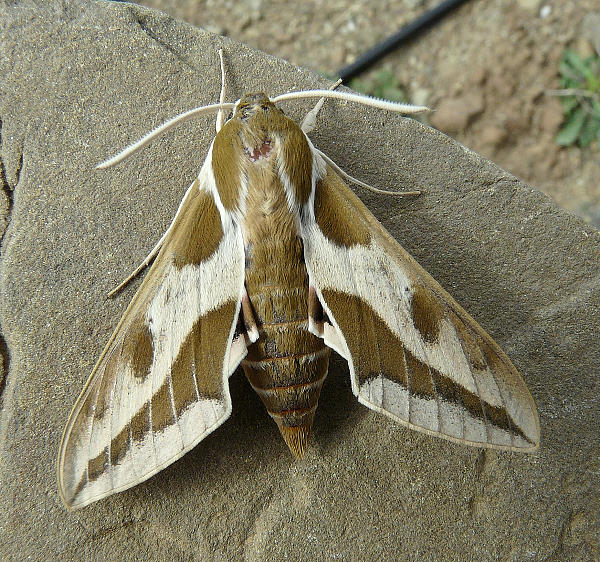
{"type": "Point", "coordinates": [316, 314]}
{"type": "Point", "coordinates": [248, 318]}
{"type": "Point", "coordinates": [348, 177]}
{"type": "Point", "coordinates": [221, 115]}
{"type": "Point", "coordinates": [156, 248]}
{"type": "Point", "coordinates": [309, 124]}
{"type": "Point", "coordinates": [310, 121]}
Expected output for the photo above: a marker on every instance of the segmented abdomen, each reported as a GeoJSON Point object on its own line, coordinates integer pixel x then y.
{"type": "Point", "coordinates": [287, 364]}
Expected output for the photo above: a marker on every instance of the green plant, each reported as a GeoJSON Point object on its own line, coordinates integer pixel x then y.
{"type": "Point", "coordinates": [381, 84]}
{"type": "Point", "coordinates": [580, 99]}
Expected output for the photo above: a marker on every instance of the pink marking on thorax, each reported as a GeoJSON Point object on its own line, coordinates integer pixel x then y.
{"type": "Point", "coordinates": [261, 152]}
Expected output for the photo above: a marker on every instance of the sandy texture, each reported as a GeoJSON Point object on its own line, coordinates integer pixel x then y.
{"type": "Point", "coordinates": [79, 81]}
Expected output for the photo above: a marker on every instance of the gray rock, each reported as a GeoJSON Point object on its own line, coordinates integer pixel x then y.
{"type": "Point", "coordinates": [80, 80]}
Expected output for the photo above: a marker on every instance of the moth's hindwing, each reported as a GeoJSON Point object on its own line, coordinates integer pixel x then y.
{"type": "Point", "coordinates": [414, 353]}
{"type": "Point", "coordinates": [161, 385]}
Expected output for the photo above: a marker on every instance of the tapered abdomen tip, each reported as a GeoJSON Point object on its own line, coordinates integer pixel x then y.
{"type": "Point", "coordinates": [296, 438]}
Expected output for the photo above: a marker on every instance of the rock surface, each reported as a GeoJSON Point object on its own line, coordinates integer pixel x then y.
{"type": "Point", "coordinates": [80, 80]}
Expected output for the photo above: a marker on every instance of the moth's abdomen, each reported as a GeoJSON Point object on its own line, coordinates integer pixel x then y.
{"type": "Point", "coordinates": [287, 365]}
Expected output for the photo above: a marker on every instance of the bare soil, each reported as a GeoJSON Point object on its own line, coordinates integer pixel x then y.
{"type": "Point", "coordinates": [486, 69]}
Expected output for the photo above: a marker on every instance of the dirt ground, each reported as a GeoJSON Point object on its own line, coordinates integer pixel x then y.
{"type": "Point", "coordinates": [486, 69]}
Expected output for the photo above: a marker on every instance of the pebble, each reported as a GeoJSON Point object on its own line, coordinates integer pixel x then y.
{"type": "Point", "coordinates": [454, 114]}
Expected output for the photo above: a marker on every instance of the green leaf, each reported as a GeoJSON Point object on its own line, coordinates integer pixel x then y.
{"type": "Point", "coordinates": [570, 130]}
{"type": "Point", "coordinates": [382, 84]}
{"type": "Point", "coordinates": [569, 103]}
{"type": "Point", "coordinates": [578, 64]}
{"type": "Point", "coordinates": [569, 77]}
{"type": "Point", "coordinates": [593, 80]}
{"type": "Point", "coordinates": [589, 130]}
{"type": "Point", "coordinates": [361, 86]}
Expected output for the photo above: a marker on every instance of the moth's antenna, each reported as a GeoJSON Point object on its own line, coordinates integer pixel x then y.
{"type": "Point", "coordinates": [133, 148]}
{"type": "Point", "coordinates": [220, 113]}
{"type": "Point", "coordinates": [405, 108]}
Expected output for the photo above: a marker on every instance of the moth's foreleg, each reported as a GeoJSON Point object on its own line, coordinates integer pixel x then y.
{"type": "Point", "coordinates": [352, 179]}
{"type": "Point", "coordinates": [220, 114]}
{"type": "Point", "coordinates": [310, 121]}
{"type": "Point", "coordinates": [139, 268]}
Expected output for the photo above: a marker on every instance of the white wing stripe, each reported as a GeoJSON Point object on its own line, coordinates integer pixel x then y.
{"type": "Point", "coordinates": [340, 268]}
{"type": "Point", "coordinates": [169, 311]}
{"type": "Point", "coordinates": [137, 455]}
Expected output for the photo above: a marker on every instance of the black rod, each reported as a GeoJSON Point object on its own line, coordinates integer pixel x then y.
{"type": "Point", "coordinates": [407, 32]}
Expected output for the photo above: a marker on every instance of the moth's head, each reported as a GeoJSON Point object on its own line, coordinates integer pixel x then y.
{"type": "Point", "coordinates": [260, 127]}
{"type": "Point", "coordinates": [251, 105]}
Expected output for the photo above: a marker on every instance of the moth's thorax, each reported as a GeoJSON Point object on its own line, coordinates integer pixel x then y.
{"type": "Point", "coordinates": [260, 149]}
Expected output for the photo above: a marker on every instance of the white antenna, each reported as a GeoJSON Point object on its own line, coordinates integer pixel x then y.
{"type": "Point", "coordinates": [405, 108]}
{"type": "Point", "coordinates": [182, 117]}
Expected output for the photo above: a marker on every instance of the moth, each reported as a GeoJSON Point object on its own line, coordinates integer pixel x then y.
{"type": "Point", "coordinates": [271, 262]}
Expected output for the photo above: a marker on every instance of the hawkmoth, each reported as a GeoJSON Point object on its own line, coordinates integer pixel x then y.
{"type": "Point", "coordinates": [270, 262]}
